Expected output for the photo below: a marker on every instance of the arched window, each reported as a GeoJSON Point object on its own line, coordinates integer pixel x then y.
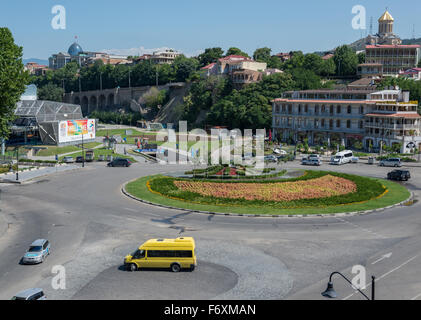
{"type": "Point", "coordinates": [349, 110]}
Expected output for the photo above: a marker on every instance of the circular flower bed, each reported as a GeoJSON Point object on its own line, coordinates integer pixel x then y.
{"type": "Point", "coordinates": [314, 189]}
{"type": "Point", "coordinates": [326, 186]}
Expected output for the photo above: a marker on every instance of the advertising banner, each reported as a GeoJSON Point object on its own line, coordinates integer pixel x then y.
{"type": "Point", "coordinates": [72, 130]}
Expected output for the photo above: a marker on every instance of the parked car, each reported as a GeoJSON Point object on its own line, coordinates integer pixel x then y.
{"type": "Point", "coordinates": [311, 161]}
{"type": "Point", "coordinates": [392, 162]}
{"type": "Point", "coordinates": [30, 294]}
{"type": "Point", "coordinates": [101, 157]}
{"type": "Point", "coordinates": [79, 159]}
{"type": "Point", "coordinates": [399, 175]}
{"type": "Point", "coordinates": [371, 160]}
{"type": "Point", "coordinates": [119, 162]}
{"type": "Point", "coordinates": [68, 159]}
{"type": "Point", "coordinates": [271, 158]}
{"type": "Point", "coordinates": [37, 252]}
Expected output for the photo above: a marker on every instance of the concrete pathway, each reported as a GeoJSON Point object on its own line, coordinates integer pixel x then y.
{"type": "Point", "coordinates": [35, 173]}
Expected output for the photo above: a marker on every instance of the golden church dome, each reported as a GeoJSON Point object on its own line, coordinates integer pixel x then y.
{"type": "Point", "coordinates": [386, 17]}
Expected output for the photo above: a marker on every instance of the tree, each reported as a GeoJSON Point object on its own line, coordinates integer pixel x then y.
{"type": "Point", "coordinates": [305, 79]}
{"type": "Point", "coordinates": [346, 61]}
{"type": "Point", "coordinates": [235, 51]}
{"type": "Point", "coordinates": [51, 92]}
{"type": "Point", "coordinates": [262, 55]}
{"type": "Point", "coordinates": [184, 67]}
{"type": "Point", "coordinates": [328, 68]}
{"type": "Point", "coordinates": [210, 55]}
{"type": "Point", "coordinates": [13, 79]}
{"type": "Point", "coordinates": [361, 57]}
{"type": "Point", "coordinates": [313, 62]}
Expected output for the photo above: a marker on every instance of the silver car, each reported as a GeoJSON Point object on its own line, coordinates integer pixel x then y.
{"type": "Point", "coordinates": [37, 252]}
{"type": "Point", "coordinates": [68, 160]}
{"type": "Point", "coordinates": [392, 162]}
{"type": "Point", "coordinates": [30, 294]}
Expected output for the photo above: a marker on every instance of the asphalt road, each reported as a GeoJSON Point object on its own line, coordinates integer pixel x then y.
{"type": "Point", "coordinates": [92, 225]}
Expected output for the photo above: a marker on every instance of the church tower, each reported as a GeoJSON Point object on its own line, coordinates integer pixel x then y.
{"type": "Point", "coordinates": [386, 24]}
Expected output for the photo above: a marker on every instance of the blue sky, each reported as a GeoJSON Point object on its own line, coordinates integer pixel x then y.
{"type": "Point", "coordinates": [192, 25]}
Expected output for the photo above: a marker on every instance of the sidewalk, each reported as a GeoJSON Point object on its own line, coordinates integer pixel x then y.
{"type": "Point", "coordinates": [35, 173]}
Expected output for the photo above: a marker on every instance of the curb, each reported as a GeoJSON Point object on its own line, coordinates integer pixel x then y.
{"type": "Point", "coordinates": [321, 215]}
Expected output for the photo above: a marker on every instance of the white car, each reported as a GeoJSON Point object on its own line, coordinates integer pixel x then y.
{"type": "Point", "coordinates": [68, 160]}
{"type": "Point", "coordinates": [30, 294]}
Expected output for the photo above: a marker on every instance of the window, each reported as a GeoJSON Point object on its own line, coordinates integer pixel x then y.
{"type": "Point", "coordinates": [349, 110]}
{"type": "Point", "coordinates": [338, 109]}
{"type": "Point", "coordinates": [348, 124]}
{"type": "Point", "coordinates": [361, 109]}
{"type": "Point", "coordinates": [170, 254]}
{"type": "Point", "coordinates": [306, 109]}
{"type": "Point", "coordinates": [338, 123]}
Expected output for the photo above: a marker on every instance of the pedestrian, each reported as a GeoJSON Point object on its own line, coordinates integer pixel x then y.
{"type": "Point", "coordinates": [125, 152]}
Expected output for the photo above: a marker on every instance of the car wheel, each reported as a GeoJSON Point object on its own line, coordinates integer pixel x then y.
{"type": "Point", "coordinates": [192, 268]}
{"type": "Point", "coordinates": [132, 267]}
{"type": "Point", "coordinates": [175, 267]}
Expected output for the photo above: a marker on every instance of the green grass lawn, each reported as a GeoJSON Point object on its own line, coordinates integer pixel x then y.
{"type": "Point", "coordinates": [100, 151]}
{"type": "Point", "coordinates": [396, 194]}
{"type": "Point", "coordinates": [53, 150]}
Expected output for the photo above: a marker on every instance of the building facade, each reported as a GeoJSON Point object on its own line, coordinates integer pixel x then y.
{"type": "Point", "coordinates": [164, 57]}
{"type": "Point", "coordinates": [367, 118]}
{"type": "Point", "coordinates": [386, 49]}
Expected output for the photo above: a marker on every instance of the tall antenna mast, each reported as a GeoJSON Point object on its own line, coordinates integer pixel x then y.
{"type": "Point", "coordinates": [413, 31]}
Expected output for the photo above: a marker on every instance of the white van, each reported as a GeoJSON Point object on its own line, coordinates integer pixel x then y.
{"type": "Point", "coordinates": [342, 157]}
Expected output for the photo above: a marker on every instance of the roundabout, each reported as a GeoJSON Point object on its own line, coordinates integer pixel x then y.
{"type": "Point", "coordinates": [311, 193]}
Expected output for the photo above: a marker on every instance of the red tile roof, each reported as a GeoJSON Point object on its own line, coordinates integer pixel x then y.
{"type": "Point", "coordinates": [209, 66]}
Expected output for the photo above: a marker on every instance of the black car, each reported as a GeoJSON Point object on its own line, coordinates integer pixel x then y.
{"type": "Point", "coordinates": [119, 162]}
{"type": "Point", "coordinates": [400, 175]}
{"type": "Point", "coordinates": [79, 159]}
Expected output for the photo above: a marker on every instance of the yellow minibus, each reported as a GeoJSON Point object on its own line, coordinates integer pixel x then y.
{"type": "Point", "coordinates": [175, 254]}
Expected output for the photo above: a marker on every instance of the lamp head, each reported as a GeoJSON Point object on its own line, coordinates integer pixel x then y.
{"type": "Point", "coordinates": [330, 292]}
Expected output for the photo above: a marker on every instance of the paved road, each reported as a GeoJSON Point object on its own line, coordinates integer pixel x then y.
{"type": "Point", "coordinates": [91, 226]}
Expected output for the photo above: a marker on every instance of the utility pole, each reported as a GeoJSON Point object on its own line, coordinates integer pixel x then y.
{"type": "Point", "coordinates": [83, 151]}
{"type": "Point", "coordinates": [130, 83]}
{"type": "Point", "coordinates": [80, 84]}
{"type": "Point", "coordinates": [100, 81]}
{"type": "Point", "coordinates": [17, 163]}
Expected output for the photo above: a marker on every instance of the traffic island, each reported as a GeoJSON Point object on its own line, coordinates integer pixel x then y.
{"type": "Point", "coordinates": [314, 193]}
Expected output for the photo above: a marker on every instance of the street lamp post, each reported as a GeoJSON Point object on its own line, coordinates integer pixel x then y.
{"type": "Point", "coordinates": [83, 152]}
{"type": "Point", "coordinates": [17, 163]}
{"type": "Point", "coordinates": [331, 293]}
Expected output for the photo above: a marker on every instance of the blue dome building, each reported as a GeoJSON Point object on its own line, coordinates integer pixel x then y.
{"type": "Point", "coordinates": [75, 49]}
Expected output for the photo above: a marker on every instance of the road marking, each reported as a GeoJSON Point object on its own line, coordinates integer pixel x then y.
{"type": "Point", "coordinates": [416, 297]}
{"type": "Point", "coordinates": [129, 209]}
{"type": "Point", "coordinates": [384, 275]}
{"type": "Point", "coordinates": [386, 256]}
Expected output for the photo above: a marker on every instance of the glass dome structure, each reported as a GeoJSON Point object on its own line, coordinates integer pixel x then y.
{"type": "Point", "coordinates": [75, 49]}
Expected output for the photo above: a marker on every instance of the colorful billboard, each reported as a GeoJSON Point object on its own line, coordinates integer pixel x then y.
{"type": "Point", "coordinates": [72, 130]}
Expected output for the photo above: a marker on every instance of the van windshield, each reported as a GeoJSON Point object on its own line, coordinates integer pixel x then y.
{"type": "Point", "coordinates": [35, 249]}
{"type": "Point", "coordinates": [338, 157]}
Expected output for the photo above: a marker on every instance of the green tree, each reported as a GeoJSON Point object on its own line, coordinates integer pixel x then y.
{"type": "Point", "coordinates": [13, 79]}
{"type": "Point", "coordinates": [328, 68]}
{"type": "Point", "coordinates": [235, 51]}
{"type": "Point", "coordinates": [51, 92]}
{"type": "Point", "coordinates": [313, 62]}
{"type": "Point", "coordinates": [305, 79]}
{"type": "Point", "coordinates": [210, 55]}
{"type": "Point", "coordinates": [361, 57]}
{"type": "Point", "coordinates": [262, 55]}
{"type": "Point", "coordinates": [346, 61]}
{"type": "Point", "coordinates": [184, 67]}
